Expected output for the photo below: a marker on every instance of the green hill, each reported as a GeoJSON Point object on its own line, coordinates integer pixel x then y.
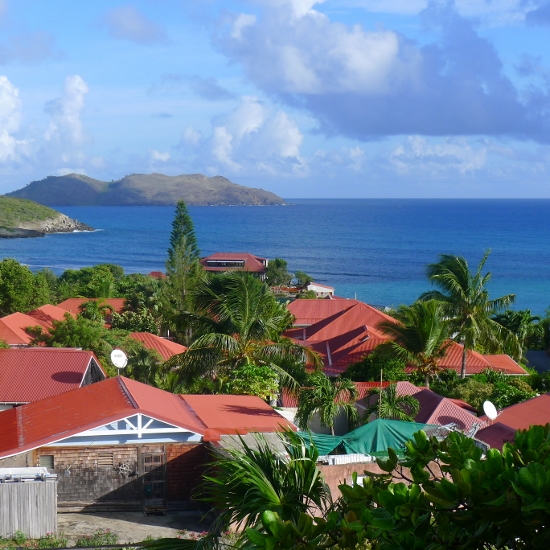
{"type": "Point", "coordinates": [25, 218]}
{"type": "Point", "coordinates": [143, 190]}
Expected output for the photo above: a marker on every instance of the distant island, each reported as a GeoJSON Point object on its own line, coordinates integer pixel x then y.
{"type": "Point", "coordinates": [23, 218]}
{"type": "Point", "coordinates": [144, 190]}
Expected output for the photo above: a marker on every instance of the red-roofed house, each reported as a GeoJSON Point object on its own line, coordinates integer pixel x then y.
{"type": "Point", "coordinates": [120, 442]}
{"type": "Point", "coordinates": [13, 327]}
{"type": "Point", "coordinates": [345, 331]}
{"type": "Point", "coordinates": [535, 411]}
{"type": "Point", "coordinates": [32, 374]}
{"type": "Point", "coordinates": [73, 305]}
{"type": "Point", "coordinates": [235, 261]}
{"type": "Point", "coordinates": [157, 275]}
{"type": "Point", "coordinates": [165, 348]}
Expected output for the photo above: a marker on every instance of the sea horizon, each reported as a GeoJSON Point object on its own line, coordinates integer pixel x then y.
{"type": "Point", "coordinates": [373, 249]}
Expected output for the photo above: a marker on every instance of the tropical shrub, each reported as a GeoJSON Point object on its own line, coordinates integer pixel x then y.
{"type": "Point", "coordinates": [369, 368]}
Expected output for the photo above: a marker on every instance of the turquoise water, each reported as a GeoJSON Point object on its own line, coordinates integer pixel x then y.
{"type": "Point", "coordinates": [374, 249]}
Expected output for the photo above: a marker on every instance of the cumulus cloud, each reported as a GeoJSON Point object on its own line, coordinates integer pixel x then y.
{"type": "Point", "coordinates": [251, 137]}
{"type": "Point", "coordinates": [127, 23]}
{"type": "Point", "coordinates": [369, 84]}
{"type": "Point", "coordinates": [65, 136]}
{"type": "Point", "coordinates": [28, 49]}
{"type": "Point", "coordinates": [159, 156]}
{"type": "Point", "coordinates": [540, 15]}
{"type": "Point", "coordinates": [10, 115]}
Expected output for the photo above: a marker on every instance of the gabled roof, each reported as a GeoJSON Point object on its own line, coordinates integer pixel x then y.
{"type": "Point", "coordinates": [309, 312]}
{"type": "Point", "coordinates": [165, 348]}
{"type": "Point", "coordinates": [436, 409]}
{"type": "Point", "coordinates": [521, 416]}
{"type": "Point", "coordinates": [157, 275]}
{"type": "Point", "coordinates": [73, 304]}
{"type": "Point", "coordinates": [74, 412]}
{"type": "Point", "coordinates": [12, 329]}
{"type": "Point", "coordinates": [47, 314]}
{"type": "Point", "coordinates": [253, 264]}
{"type": "Point", "coordinates": [31, 374]}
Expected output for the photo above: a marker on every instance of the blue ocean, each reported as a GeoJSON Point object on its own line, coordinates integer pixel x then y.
{"type": "Point", "coordinates": [372, 249]}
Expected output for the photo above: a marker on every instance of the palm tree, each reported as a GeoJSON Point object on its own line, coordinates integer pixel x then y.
{"type": "Point", "coordinates": [95, 310]}
{"type": "Point", "coordinates": [467, 304]}
{"type": "Point", "coordinates": [249, 478]}
{"type": "Point", "coordinates": [392, 406]}
{"type": "Point", "coordinates": [240, 323]}
{"type": "Point", "coordinates": [327, 397]}
{"type": "Point", "coordinates": [420, 336]}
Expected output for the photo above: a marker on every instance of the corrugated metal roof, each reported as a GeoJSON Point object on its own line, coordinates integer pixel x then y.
{"type": "Point", "coordinates": [31, 374]}
{"type": "Point", "coordinates": [535, 411]}
{"type": "Point", "coordinates": [230, 414]}
{"type": "Point", "coordinates": [309, 312]}
{"type": "Point", "coordinates": [68, 414]}
{"type": "Point", "coordinates": [165, 348]}
{"type": "Point", "coordinates": [496, 435]}
{"type": "Point", "coordinates": [45, 315]}
{"type": "Point", "coordinates": [12, 329]}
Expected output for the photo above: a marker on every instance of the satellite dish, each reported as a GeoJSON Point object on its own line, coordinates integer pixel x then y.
{"type": "Point", "coordinates": [490, 410]}
{"type": "Point", "coordinates": [119, 359]}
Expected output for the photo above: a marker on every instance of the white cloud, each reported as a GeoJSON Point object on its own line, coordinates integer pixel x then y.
{"type": "Point", "coordinates": [65, 125]}
{"type": "Point", "coordinates": [366, 84]}
{"type": "Point", "coordinates": [159, 156]}
{"type": "Point", "coordinates": [251, 138]}
{"type": "Point", "coordinates": [127, 23]}
{"type": "Point", "coordinates": [447, 156]}
{"type": "Point", "coordinates": [10, 115]}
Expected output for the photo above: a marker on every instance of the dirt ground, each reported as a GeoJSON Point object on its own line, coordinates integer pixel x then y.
{"type": "Point", "coordinates": [129, 526]}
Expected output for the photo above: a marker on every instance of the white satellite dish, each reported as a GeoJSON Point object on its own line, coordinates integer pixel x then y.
{"type": "Point", "coordinates": [490, 410]}
{"type": "Point", "coordinates": [119, 359]}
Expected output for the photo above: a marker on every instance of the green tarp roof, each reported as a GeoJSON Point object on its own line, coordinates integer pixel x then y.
{"type": "Point", "coordinates": [373, 438]}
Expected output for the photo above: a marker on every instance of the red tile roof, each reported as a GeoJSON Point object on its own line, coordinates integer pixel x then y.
{"type": "Point", "coordinates": [73, 304]}
{"type": "Point", "coordinates": [165, 348]}
{"type": "Point", "coordinates": [12, 329]}
{"type": "Point", "coordinates": [45, 315]}
{"type": "Point", "coordinates": [31, 374]}
{"type": "Point", "coordinates": [254, 264]}
{"type": "Point", "coordinates": [68, 414]}
{"type": "Point", "coordinates": [535, 411]}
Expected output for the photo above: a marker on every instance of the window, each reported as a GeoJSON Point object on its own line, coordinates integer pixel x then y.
{"type": "Point", "coordinates": [46, 461]}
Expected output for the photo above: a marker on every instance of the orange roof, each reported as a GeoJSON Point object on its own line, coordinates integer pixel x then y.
{"type": "Point", "coordinates": [31, 374]}
{"type": "Point", "coordinates": [535, 411]}
{"type": "Point", "coordinates": [165, 348]}
{"type": "Point", "coordinates": [45, 315]}
{"type": "Point", "coordinates": [232, 414]}
{"type": "Point", "coordinates": [309, 312]}
{"type": "Point", "coordinates": [68, 414]}
{"type": "Point", "coordinates": [157, 275]}
{"type": "Point", "coordinates": [73, 304]}
{"type": "Point", "coordinates": [254, 264]}
{"type": "Point", "coordinates": [12, 328]}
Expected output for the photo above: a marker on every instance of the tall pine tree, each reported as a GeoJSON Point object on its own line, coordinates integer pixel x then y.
{"type": "Point", "coordinates": [182, 236]}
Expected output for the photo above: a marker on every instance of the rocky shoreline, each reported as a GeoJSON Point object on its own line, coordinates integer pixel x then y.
{"type": "Point", "coordinates": [57, 224]}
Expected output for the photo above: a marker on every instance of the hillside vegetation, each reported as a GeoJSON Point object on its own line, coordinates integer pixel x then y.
{"type": "Point", "coordinates": [25, 218]}
{"type": "Point", "coordinates": [144, 190]}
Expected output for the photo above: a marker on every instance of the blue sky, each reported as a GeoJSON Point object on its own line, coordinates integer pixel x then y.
{"type": "Point", "coordinates": [341, 98]}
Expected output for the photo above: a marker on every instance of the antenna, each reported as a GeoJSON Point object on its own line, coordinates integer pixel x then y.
{"type": "Point", "coordinates": [490, 410]}
{"type": "Point", "coordinates": [119, 359]}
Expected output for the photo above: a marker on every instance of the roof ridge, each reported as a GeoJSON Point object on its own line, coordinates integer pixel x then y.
{"type": "Point", "coordinates": [192, 411]}
{"type": "Point", "coordinates": [127, 392]}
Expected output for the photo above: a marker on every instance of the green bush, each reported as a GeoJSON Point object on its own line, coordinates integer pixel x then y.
{"type": "Point", "coordinates": [100, 538]}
